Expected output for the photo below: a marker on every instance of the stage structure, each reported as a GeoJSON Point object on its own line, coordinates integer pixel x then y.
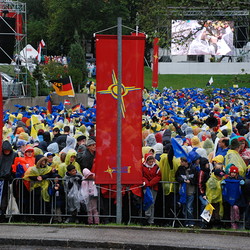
{"type": "Point", "coordinates": [238, 21]}
{"type": "Point", "coordinates": [13, 38]}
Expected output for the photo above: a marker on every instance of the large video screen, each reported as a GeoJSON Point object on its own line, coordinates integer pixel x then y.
{"type": "Point", "coordinates": [196, 37]}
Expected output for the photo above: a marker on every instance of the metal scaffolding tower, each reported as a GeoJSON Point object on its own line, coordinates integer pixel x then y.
{"type": "Point", "coordinates": [17, 11]}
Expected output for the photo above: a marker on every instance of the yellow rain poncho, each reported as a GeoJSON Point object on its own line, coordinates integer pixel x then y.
{"type": "Point", "coordinates": [168, 174]}
{"type": "Point", "coordinates": [83, 131]}
{"type": "Point", "coordinates": [234, 157]}
{"type": "Point", "coordinates": [38, 171]}
{"type": "Point", "coordinates": [62, 169]}
{"type": "Point", "coordinates": [37, 151]}
{"type": "Point", "coordinates": [214, 191]}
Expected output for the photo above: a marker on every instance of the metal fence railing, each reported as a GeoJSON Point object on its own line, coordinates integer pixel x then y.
{"type": "Point", "coordinates": [29, 201]}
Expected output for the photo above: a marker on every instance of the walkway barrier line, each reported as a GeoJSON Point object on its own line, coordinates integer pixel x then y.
{"type": "Point", "coordinates": [30, 202]}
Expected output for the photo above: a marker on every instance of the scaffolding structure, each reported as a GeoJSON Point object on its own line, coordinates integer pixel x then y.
{"type": "Point", "coordinates": [17, 10]}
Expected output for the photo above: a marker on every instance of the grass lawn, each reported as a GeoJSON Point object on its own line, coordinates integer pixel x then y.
{"type": "Point", "coordinates": [196, 81]}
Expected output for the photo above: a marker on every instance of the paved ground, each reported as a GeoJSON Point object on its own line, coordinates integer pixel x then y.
{"type": "Point", "coordinates": [53, 236]}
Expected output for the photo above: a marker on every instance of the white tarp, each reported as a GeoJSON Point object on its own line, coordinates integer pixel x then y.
{"type": "Point", "coordinates": [29, 52]}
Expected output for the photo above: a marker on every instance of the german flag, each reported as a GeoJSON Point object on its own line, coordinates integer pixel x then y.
{"type": "Point", "coordinates": [63, 86]}
{"type": "Point", "coordinates": [76, 107]}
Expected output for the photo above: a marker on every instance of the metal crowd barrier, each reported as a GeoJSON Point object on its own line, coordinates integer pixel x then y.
{"type": "Point", "coordinates": [29, 206]}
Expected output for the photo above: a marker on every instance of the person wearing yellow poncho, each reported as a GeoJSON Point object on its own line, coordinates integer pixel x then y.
{"type": "Point", "coordinates": [168, 172]}
{"type": "Point", "coordinates": [92, 90]}
{"type": "Point", "coordinates": [168, 166]}
{"type": "Point", "coordinates": [38, 176]}
{"type": "Point", "coordinates": [70, 159]}
{"type": "Point", "coordinates": [234, 157]}
{"type": "Point", "coordinates": [214, 195]}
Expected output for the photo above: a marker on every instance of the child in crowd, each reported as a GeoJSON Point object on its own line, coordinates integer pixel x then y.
{"type": "Point", "coordinates": [203, 177]}
{"type": "Point", "coordinates": [72, 184]}
{"type": "Point", "coordinates": [151, 175]}
{"type": "Point", "coordinates": [219, 166]}
{"type": "Point", "coordinates": [89, 192]}
{"type": "Point", "coordinates": [50, 159]}
{"type": "Point", "coordinates": [70, 159]}
{"type": "Point", "coordinates": [214, 196]}
{"type": "Point", "coordinates": [232, 194]}
{"type": "Point", "coordinates": [186, 175]}
{"type": "Point", "coordinates": [57, 193]}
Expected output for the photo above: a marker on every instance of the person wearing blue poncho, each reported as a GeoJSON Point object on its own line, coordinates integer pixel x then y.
{"type": "Point", "coordinates": [231, 191]}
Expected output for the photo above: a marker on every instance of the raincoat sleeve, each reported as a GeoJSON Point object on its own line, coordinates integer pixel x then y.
{"type": "Point", "coordinates": [156, 179]}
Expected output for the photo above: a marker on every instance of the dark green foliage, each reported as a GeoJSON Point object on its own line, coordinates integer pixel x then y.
{"type": "Point", "coordinates": [31, 88]}
{"type": "Point", "coordinates": [77, 65]}
{"type": "Point", "coordinates": [76, 53]}
{"type": "Point", "coordinates": [55, 21]}
{"type": "Point", "coordinates": [38, 76]}
{"type": "Point", "coordinates": [77, 78]}
{"type": "Point", "coordinates": [54, 70]}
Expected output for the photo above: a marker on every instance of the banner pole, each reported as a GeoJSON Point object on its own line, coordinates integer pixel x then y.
{"type": "Point", "coordinates": [119, 124]}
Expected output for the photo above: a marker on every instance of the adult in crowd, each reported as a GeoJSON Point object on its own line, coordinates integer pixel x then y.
{"type": "Point", "coordinates": [61, 139]}
{"type": "Point", "coordinates": [233, 157]}
{"type": "Point", "coordinates": [186, 175]}
{"type": "Point", "coordinates": [6, 160]}
{"type": "Point", "coordinates": [87, 159]}
{"type": "Point", "coordinates": [223, 146]}
{"type": "Point", "coordinates": [56, 133]}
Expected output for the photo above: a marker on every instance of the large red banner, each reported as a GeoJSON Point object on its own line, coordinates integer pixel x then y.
{"type": "Point", "coordinates": [106, 118]}
{"type": "Point", "coordinates": [155, 63]}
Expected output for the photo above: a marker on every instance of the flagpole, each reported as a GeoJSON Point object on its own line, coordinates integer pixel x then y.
{"type": "Point", "coordinates": [72, 86]}
{"type": "Point", "coordinates": [119, 124]}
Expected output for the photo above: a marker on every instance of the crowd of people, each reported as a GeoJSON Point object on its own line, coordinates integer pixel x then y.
{"type": "Point", "coordinates": [59, 59]}
{"type": "Point", "coordinates": [195, 152]}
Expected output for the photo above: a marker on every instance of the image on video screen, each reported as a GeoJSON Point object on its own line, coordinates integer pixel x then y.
{"type": "Point", "coordinates": [197, 37]}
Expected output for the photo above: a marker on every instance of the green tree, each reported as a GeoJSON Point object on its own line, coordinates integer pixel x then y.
{"type": "Point", "coordinates": [36, 21]}
{"type": "Point", "coordinates": [77, 64]}
{"type": "Point", "coordinates": [38, 76]}
{"type": "Point", "coordinates": [76, 77]}
{"type": "Point", "coordinates": [36, 32]}
{"type": "Point", "coordinates": [52, 20]}
{"type": "Point", "coordinates": [88, 16]}
{"type": "Point", "coordinates": [54, 70]}
{"type": "Point", "coordinates": [31, 85]}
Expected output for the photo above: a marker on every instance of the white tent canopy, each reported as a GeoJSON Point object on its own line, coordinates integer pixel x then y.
{"type": "Point", "coordinates": [29, 52]}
